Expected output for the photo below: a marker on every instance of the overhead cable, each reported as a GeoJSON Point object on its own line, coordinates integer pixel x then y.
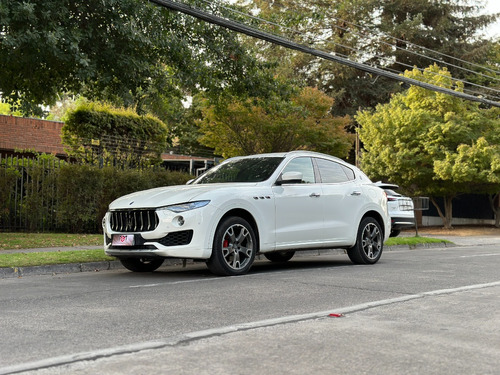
{"type": "Point", "coordinates": [357, 50]}
{"type": "Point", "coordinates": [250, 31]}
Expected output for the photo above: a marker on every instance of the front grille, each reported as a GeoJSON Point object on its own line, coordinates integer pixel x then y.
{"type": "Point", "coordinates": [124, 221]}
{"type": "Point", "coordinates": [183, 237]}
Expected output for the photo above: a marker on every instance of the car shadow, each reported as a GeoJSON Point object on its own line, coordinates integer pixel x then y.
{"type": "Point", "coordinates": [262, 266]}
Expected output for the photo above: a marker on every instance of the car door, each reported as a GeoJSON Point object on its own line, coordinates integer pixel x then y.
{"type": "Point", "coordinates": [342, 201]}
{"type": "Point", "coordinates": [299, 212]}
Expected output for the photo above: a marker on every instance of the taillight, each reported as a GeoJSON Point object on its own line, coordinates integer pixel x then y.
{"type": "Point", "coordinates": [389, 199]}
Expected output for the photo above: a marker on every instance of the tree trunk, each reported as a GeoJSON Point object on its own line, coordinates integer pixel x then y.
{"type": "Point", "coordinates": [448, 210]}
{"type": "Point", "coordinates": [495, 206]}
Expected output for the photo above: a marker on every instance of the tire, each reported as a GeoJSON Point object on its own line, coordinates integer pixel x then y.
{"type": "Point", "coordinates": [234, 248]}
{"type": "Point", "coordinates": [280, 256]}
{"type": "Point", "coordinates": [369, 243]}
{"type": "Point", "coordinates": [141, 264]}
{"type": "Point", "coordinates": [395, 233]}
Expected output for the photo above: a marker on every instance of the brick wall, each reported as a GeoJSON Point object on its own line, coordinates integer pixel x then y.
{"type": "Point", "coordinates": [28, 133]}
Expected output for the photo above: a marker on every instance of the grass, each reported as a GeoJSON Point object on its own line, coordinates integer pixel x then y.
{"type": "Point", "coordinates": [40, 240]}
{"type": "Point", "coordinates": [9, 241]}
{"type": "Point", "coordinates": [411, 241]}
{"type": "Point", "coordinates": [52, 257]}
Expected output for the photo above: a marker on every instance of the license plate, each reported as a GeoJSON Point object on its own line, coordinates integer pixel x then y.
{"type": "Point", "coordinates": [123, 240]}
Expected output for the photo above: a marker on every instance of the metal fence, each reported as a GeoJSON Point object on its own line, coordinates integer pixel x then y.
{"type": "Point", "coordinates": [28, 191]}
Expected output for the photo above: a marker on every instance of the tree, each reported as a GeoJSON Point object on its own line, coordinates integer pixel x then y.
{"type": "Point", "coordinates": [363, 30]}
{"type": "Point", "coordinates": [478, 162]}
{"type": "Point", "coordinates": [252, 125]}
{"type": "Point", "coordinates": [419, 140]}
{"type": "Point", "coordinates": [124, 52]}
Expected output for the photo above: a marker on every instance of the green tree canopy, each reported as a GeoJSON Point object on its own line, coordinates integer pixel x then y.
{"type": "Point", "coordinates": [252, 125]}
{"type": "Point", "coordinates": [422, 140]}
{"type": "Point", "coordinates": [124, 51]}
{"type": "Point", "coordinates": [375, 32]}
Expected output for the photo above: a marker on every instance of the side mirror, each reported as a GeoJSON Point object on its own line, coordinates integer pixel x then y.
{"type": "Point", "coordinates": [290, 178]}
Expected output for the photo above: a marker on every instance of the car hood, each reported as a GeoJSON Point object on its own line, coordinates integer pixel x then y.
{"type": "Point", "coordinates": [168, 195]}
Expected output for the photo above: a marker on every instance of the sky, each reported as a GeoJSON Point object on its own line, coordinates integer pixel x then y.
{"type": "Point", "coordinates": [493, 6]}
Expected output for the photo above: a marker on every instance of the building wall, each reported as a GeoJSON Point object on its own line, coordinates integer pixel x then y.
{"type": "Point", "coordinates": [30, 134]}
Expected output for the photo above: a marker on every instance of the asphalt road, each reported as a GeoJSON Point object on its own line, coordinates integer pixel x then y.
{"type": "Point", "coordinates": [415, 312]}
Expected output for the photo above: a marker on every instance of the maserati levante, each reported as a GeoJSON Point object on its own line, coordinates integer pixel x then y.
{"type": "Point", "coordinates": [270, 204]}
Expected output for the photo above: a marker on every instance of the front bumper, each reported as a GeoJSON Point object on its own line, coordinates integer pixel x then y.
{"type": "Point", "coordinates": [183, 235]}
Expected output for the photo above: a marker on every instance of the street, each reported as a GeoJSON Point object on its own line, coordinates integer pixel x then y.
{"type": "Point", "coordinates": [422, 311]}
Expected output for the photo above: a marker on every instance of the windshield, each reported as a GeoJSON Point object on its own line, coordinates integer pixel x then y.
{"type": "Point", "coordinates": [241, 170]}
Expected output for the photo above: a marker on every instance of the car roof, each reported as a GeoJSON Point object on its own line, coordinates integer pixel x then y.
{"type": "Point", "coordinates": [291, 153]}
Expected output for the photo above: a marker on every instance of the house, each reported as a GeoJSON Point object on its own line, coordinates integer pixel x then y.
{"type": "Point", "coordinates": [21, 136]}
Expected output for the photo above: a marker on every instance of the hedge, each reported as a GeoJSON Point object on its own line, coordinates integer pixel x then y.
{"type": "Point", "coordinates": [69, 198]}
{"type": "Point", "coordinates": [94, 132]}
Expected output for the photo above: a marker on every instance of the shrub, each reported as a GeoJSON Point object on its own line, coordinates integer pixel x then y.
{"type": "Point", "coordinates": [45, 195]}
{"type": "Point", "coordinates": [79, 188]}
{"type": "Point", "coordinates": [96, 133]}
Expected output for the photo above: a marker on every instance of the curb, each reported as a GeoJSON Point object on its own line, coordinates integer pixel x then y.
{"type": "Point", "coordinates": [58, 269]}
{"type": "Point", "coordinates": [55, 269]}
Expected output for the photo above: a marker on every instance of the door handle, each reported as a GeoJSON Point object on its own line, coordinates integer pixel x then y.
{"type": "Point", "coordinates": [314, 195]}
{"type": "Point", "coordinates": [356, 193]}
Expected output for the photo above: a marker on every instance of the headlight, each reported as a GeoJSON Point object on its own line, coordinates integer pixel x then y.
{"type": "Point", "coordinates": [181, 207]}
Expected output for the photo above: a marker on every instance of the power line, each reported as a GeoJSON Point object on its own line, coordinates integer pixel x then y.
{"type": "Point", "coordinates": [426, 49]}
{"type": "Point", "coordinates": [250, 31]}
{"type": "Point", "coordinates": [441, 62]}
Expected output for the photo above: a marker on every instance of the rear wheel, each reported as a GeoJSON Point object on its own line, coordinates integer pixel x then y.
{"type": "Point", "coordinates": [369, 243]}
{"type": "Point", "coordinates": [142, 264]}
{"type": "Point", "coordinates": [280, 256]}
{"type": "Point", "coordinates": [234, 248]}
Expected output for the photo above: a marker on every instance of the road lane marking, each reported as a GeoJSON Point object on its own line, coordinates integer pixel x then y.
{"type": "Point", "coordinates": [480, 255]}
{"type": "Point", "coordinates": [203, 334]}
{"type": "Point", "coordinates": [175, 282]}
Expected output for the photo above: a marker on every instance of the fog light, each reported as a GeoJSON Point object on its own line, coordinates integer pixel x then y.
{"type": "Point", "coordinates": [180, 221]}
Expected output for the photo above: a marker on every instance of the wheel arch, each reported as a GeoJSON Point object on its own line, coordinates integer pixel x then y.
{"type": "Point", "coordinates": [376, 216]}
{"type": "Point", "coordinates": [244, 214]}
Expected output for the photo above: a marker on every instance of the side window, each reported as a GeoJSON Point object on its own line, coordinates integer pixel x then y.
{"type": "Point", "coordinates": [331, 172]}
{"type": "Point", "coordinates": [349, 172]}
{"type": "Point", "coordinates": [303, 165]}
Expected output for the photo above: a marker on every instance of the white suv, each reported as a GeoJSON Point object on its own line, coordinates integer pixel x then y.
{"type": "Point", "coordinates": [272, 204]}
{"type": "Point", "coordinates": [400, 208]}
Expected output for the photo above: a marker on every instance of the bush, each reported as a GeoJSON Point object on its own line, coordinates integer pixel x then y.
{"type": "Point", "coordinates": [79, 188]}
{"type": "Point", "coordinates": [96, 133]}
{"type": "Point", "coordinates": [85, 192]}
{"type": "Point", "coordinates": [8, 179]}
{"type": "Point", "coordinates": [44, 194]}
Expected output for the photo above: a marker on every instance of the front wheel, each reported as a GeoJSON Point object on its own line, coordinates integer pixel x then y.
{"type": "Point", "coordinates": [141, 264]}
{"type": "Point", "coordinates": [369, 243]}
{"type": "Point", "coordinates": [234, 248]}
